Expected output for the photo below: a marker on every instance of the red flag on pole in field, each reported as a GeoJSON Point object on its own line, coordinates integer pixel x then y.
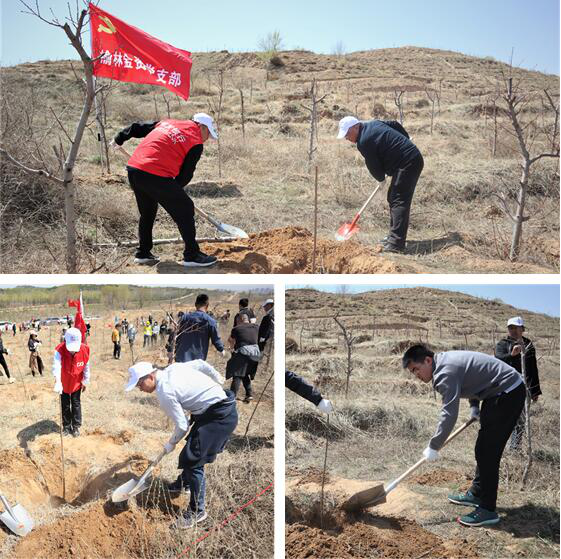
{"type": "Point", "coordinates": [79, 318]}
{"type": "Point", "coordinates": [127, 54]}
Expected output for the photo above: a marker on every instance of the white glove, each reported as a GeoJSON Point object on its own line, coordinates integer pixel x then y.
{"type": "Point", "coordinates": [474, 412]}
{"type": "Point", "coordinates": [168, 447]}
{"type": "Point", "coordinates": [114, 145]}
{"type": "Point", "coordinates": [7, 352]}
{"type": "Point", "coordinates": [58, 387]}
{"type": "Point", "coordinates": [430, 454]}
{"type": "Point", "coordinates": [223, 352]}
{"type": "Point", "coordinates": [325, 406]}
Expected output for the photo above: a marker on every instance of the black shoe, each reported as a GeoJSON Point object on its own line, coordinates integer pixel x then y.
{"type": "Point", "coordinates": [67, 431]}
{"type": "Point", "coordinates": [177, 487]}
{"type": "Point", "coordinates": [145, 258]}
{"type": "Point", "coordinates": [199, 260]}
{"type": "Point", "coordinates": [384, 240]}
{"type": "Point", "coordinates": [76, 432]}
{"type": "Point", "coordinates": [388, 247]}
{"type": "Point", "coordinates": [248, 399]}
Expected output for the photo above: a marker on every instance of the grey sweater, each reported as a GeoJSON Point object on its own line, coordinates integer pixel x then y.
{"type": "Point", "coordinates": [467, 374]}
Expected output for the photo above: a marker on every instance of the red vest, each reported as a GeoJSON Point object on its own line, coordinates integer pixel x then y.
{"type": "Point", "coordinates": [72, 371]}
{"type": "Point", "coordinates": [163, 151]}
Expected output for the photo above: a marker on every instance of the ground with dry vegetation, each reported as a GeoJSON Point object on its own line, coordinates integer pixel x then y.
{"type": "Point", "coordinates": [120, 434]}
{"type": "Point", "coordinates": [263, 183]}
{"type": "Point", "coordinates": [382, 427]}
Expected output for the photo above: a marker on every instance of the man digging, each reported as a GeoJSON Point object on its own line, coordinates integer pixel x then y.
{"type": "Point", "coordinates": [160, 167]}
{"type": "Point", "coordinates": [500, 388]}
{"type": "Point", "coordinates": [71, 369]}
{"type": "Point", "coordinates": [194, 388]}
{"type": "Point", "coordinates": [387, 150]}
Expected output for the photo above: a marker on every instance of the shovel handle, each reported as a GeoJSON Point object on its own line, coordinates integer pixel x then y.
{"type": "Point", "coordinates": [7, 506]}
{"type": "Point", "coordinates": [208, 217]}
{"type": "Point", "coordinates": [367, 202]}
{"type": "Point", "coordinates": [151, 467]}
{"type": "Point", "coordinates": [394, 483]}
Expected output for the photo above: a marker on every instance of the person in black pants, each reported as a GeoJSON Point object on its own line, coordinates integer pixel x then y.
{"type": "Point", "coordinates": [160, 167]}
{"type": "Point", "coordinates": [509, 350]}
{"type": "Point", "coordinates": [4, 351]}
{"type": "Point", "coordinates": [243, 343]}
{"type": "Point", "coordinates": [387, 150]}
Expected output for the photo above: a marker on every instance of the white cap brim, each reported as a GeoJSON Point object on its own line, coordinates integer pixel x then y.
{"type": "Point", "coordinates": [212, 131]}
{"type": "Point", "coordinates": [73, 346]}
{"type": "Point", "coordinates": [131, 384]}
{"type": "Point", "coordinates": [342, 133]}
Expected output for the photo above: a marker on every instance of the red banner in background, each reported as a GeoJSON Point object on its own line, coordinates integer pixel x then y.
{"type": "Point", "coordinates": [128, 54]}
{"type": "Point", "coordinates": [79, 318]}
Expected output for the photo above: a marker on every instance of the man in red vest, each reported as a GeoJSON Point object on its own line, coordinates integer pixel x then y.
{"type": "Point", "coordinates": [160, 167]}
{"type": "Point", "coordinates": [71, 370]}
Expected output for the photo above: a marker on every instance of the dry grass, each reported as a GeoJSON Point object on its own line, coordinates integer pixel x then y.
{"type": "Point", "coordinates": [460, 176]}
{"type": "Point", "coordinates": [382, 427]}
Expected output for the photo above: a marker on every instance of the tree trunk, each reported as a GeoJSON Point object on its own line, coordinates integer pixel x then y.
{"type": "Point", "coordinates": [527, 412]}
{"type": "Point", "coordinates": [519, 217]}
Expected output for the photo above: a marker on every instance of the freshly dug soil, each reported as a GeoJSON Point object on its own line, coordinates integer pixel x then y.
{"type": "Point", "coordinates": [439, 477]}
{"type": "Point", "coordinates": [289, 251]}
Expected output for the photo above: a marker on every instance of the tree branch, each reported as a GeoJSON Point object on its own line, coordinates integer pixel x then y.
{"type": "Point", "coordinates": [40, 172]}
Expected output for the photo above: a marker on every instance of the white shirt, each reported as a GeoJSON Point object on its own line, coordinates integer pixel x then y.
{"type": "Point", "coordinates": [187, 387]}
{"type": "Point", "coordinates": [57, 368]}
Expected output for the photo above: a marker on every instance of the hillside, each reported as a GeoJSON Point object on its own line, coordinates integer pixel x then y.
{"type": "Point", "coordinates": [380, 428]}
{"type": "Point", "coordinates": [263, 183]}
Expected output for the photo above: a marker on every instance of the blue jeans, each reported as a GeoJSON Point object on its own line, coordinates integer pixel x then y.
{"type": "Point", "coordinates": [194, 478]}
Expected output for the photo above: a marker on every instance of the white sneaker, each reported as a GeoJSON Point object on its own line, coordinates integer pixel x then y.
{"type": "Point", "coordinates": [11, 380]}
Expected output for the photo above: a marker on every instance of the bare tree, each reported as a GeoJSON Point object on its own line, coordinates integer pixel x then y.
{"type": "Point", "coordinates": [398, 100]}
{"type": "Point", "coordinates": [527, 403]}
{"type": "Point", "coordinates": [526, 135]}
{"type": "Point", "coordinates": [215, 105]}
{"type": "Point", "coordinates": [271, 43]}
{"type": "Point", "coordinates": [349, 342]}
{"type": "Point", "coordinates": [434, 97]}
{"type": "Point", "coordinates": [313, 120]}
{"type": "Point", "coordinates": [73, 28]}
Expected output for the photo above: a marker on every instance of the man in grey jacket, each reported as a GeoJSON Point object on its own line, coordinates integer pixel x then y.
{"type": "Point", "coordinates": [476, 376]}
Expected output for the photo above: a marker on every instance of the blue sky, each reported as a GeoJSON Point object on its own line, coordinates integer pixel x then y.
{"type": "Point", "coordinates": [536, 298]}
{"type": "Point", "coordinates": [476, 27]}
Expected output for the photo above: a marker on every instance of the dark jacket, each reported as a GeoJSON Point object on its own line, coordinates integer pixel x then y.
{"type": "Point", "coordinates": [297, 384]}
{"type": "Point", "coordinates": [502, 352]}
{"type": "Point", "coordinates": [385, 146]}
{"type": "Point", "coordinates": [142, 129]}
{"type": "Point", "coordinates": [247, 311]}
{"type": "Point", "coordinates": [3, 350]}
{"type": "Point", "coordinates": [195, 331]}
{"type": "Point", "coordinates": [266, 329]}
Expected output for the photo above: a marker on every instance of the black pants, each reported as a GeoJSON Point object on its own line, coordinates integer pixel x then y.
{"type": "Point", "coordinates": [400, 195]}
{"type": "Point", "coordinates": [4, 365]}
{"type": "Point", "coordinates": [498, 418]}
{"type": "Point", "coordinates": [236, 381]}
{"type": "Point", "coordinates": [71, 410]}
{"type": "Point", "coordinates": [116, 350]}
{"type": "Point", "coordinates": [151, 190]}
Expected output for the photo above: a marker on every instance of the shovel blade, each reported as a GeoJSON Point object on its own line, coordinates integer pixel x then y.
{"type": "Point", "coordinates": [20, 523]}
{"type": "Point", "coordinates": [346, 231]}
{"type": "Point", "coordinates": [123, 492]}
{"type": "Point", "coordinates": [232, 231]}
{"type": "Point", "coordinates": [367, 498]}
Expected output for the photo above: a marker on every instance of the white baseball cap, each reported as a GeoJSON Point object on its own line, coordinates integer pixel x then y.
{"type": "Point", "coordinates": [268, 302]}
{"type": "Point", "coordinates": [515, 321]}
{"type": "Point", "coordinates": [136, 372]}
{"type": "Point", "coordinates": [344, 124]}
{"type": "Point", "coordinates": [203, 118]}
{"type": "Point", "coordinates": [73, 339]}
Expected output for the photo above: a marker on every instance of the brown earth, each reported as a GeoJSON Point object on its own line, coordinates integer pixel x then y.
{"type": "Point", "coordinates": [439, 476]}
{"type": "Point", "coordinates": [289, 250]}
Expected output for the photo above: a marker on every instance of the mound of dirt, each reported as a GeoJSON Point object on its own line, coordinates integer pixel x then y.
{"type": "Point", "coordinates": [372, 537]}
{"type": "Point", "coordinates": [440, 477]}
{"type": "Point", "coordinates": [289, 251]}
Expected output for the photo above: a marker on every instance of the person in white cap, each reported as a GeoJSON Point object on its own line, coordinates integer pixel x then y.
{"type": "Point", "coordinates": [194, 388]}
{"type": "Point", "coordinates": [388, 150]}
{"type": "Point", "coordinates": [71, 369]}
{"type": "Point", "coordinates": [160, 167]}
{"type": "Point", "coordinates": [509, 350]}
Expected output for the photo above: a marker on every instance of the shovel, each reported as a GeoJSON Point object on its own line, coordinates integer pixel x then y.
{"type": "Point", "coordinates": [134, 487]}
{"type": "Point", "coordinates": [222, 227]}
{"type": "Point", "coordinates": [347, 230]}
{"type": "Point", "coordinates": [377, 495]}
{"type": "Point", "coordinates": [16, 518]}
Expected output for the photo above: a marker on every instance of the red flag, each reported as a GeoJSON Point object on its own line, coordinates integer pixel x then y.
{"type": "Point", "coordinates": [128, 54]}
{"type": "Point", "coordinates": [79, 318]}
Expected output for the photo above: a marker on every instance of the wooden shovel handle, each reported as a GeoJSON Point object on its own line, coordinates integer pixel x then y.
{"type": "Point", "coordinates": [394, 483]}
{"type": "Point", "coordinates": [367, 202]}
